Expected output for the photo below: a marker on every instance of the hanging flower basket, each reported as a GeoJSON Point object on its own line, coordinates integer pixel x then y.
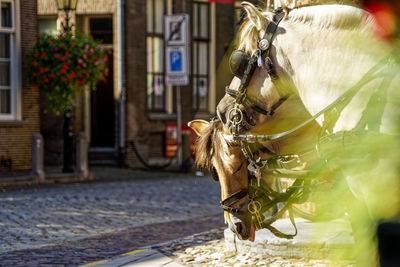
{"type": "Point", "coordinates": [61, 65]}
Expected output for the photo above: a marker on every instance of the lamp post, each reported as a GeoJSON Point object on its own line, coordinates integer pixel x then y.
{"type": "Point", "coordinates": [67, 6]}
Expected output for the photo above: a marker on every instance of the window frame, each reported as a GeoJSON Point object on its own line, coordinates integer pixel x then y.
{"type": "Point", "coordinates": [110, 17]}
{"type": "Point", "coordinates": [150, 36]}
{"type": "Point", "coordinates": [15, 63]}
{"type": "Point", "coordinates": [197, 40]}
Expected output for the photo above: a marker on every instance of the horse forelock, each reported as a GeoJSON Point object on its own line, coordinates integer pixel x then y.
{"type": "Point", "coordinates": [211, 145]}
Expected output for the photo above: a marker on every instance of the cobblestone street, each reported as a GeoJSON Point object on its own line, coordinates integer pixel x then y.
{"type": "Point", "coordinates": [38, 216]}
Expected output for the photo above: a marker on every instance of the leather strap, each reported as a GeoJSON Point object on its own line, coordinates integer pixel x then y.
{"type": "Point", "coordinates": [232, 199]}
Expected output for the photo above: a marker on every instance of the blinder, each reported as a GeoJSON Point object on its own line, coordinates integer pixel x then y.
{"type": "Point", "coordinates": [238, 63]}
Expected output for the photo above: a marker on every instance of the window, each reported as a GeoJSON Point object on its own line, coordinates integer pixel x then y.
{"type": "Point", "coordinates": [48, 25]}
{"type": "Point", "coordinates": [8, 61]}
{"type": "Point", "coordinates": [101, 29]}
{"type": "Point", "coordinates": [201, 47]}
{"type": "Point", "coordinates": [156, 89]}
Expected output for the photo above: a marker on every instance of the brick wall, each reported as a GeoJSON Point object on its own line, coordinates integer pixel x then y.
{"type": "Point", "coordinates": [148, 134]}
{"type": "Point", "coordinates": [16, 139]}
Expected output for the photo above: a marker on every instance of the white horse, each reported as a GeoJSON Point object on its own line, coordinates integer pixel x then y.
{"type": "Point", "coordinates": [319, 53]}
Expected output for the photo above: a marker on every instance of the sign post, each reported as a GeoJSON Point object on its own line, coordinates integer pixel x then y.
{"type": "Point", "coordinates": [177, 65]}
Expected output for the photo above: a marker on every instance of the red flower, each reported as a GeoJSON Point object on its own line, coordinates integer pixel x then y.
{"type": "Point", "coordinates": [43, 55]}
{"type": "Point", "coordinates": [62, 45]}
{"type": "Point", "coordinates": [45, 79]}
{"type": "Point", "coordinates": [63, 58]}
{"type": "Point", "coordinates": [62, 78]}
{"type": "Point", "coordinates": [52, 75]}
{"type": "Point", "coordinates": [56, 55]}
{"type": "Point", "coordinates": [64, 68]}
{"type": "Point", "coordinates": [34, 63]}
{"type": "Point", "coordinates": [72, 75]}
{"type": "Point", "coordinates": [81, 82]}
{"type": "Point", "coordinates": [67, 53]}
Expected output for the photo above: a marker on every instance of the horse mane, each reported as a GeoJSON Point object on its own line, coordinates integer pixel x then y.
{"type": "Point", "coordinates": [322, 16]}
{"type": "Point", "coordinates": [210, 143]}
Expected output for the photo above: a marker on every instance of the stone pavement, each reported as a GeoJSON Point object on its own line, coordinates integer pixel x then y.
{"type": "Point", "coordinates": [123, 212]}
{"type": "Point", "coordinates": [41, 216]}
{"type": "Point", "coordinates": [210, 249]}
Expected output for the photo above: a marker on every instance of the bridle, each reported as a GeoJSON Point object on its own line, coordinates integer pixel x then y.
{"type": "Point", "coordinates": [262, 197]}
{"type": "Point", "coordinates": [243, 66]}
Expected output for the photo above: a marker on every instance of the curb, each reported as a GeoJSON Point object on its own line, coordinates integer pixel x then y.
{"type": "Point", "coordinates": [150, 256]}
{"type": "Point", "coordinates": [48, 179]}
{"type": "Point", "coordinates": [140, 257]}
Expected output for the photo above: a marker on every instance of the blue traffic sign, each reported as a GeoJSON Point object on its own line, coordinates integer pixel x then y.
{"type": "Point", "coordinates": [175, 58]}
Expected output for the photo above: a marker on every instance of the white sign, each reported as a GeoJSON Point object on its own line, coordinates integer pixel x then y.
{"type": "Point", "coordinates": [177, 49]}
{"type": "Point", "coordinates": [176, 29]}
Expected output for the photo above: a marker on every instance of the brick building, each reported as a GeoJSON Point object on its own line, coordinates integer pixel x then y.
{"type": "Point", "coordinates": [19, 103]}
{"type": "Point", "coordinates": [150, 105]}
{"type": "Point", "coordinates": [135, 105]}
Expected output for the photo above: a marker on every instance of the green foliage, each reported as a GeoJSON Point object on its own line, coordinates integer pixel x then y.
{"type": "Point", "coordinates": [61, 65]}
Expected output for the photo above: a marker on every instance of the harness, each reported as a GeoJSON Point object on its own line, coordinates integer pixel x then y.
{"type": "Point", "coordinates": [262, 198]}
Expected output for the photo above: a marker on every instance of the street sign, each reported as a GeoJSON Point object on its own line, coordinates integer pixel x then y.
{"type": "Point", "coordinates": [176, 29]}
{"type": "Point", "coordinates": [177, 49]}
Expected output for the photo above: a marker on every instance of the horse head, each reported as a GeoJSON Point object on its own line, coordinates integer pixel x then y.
{"type": "Point", "coordinates": [228, 166]}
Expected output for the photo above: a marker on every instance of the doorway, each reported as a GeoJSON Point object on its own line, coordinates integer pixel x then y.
{"type": "Point", "coordinates": [102, 104]}
{"type": "Point", "coordinates": [103, 111]}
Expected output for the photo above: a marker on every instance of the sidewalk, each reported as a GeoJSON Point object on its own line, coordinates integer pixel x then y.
{"type": "Point", "coordinates": [309, 248]}
{"type": "Point", "coordinates": [139, 258]}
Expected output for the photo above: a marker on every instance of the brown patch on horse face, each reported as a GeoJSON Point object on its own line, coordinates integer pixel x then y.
{"type": "Point", "coordinates": [231, 167]}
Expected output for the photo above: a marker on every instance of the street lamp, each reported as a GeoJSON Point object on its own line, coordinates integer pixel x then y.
{"type": "Point", "coordinates": [67, 6]}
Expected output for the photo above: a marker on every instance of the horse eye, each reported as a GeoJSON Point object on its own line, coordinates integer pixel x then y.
{"type": "Point", "coordinates": [238, 63]}
{"type": "Point", "coordinates": [214, 173]}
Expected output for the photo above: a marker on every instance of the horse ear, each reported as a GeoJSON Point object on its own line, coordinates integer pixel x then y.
{"type": "Point", "coordinates": [200, 127]}
{"type": "Point", "coordinates": [255, 16]}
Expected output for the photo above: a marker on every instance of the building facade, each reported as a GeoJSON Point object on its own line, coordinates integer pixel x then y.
{"type": "Point", "coordinates": [19, 103]}
{"type": "Point", "coordinates": [96, 112]}
{"type": "Point", "coordinates": [150, 104]}
{"type": "Point", "coordinates": [129, 114]}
